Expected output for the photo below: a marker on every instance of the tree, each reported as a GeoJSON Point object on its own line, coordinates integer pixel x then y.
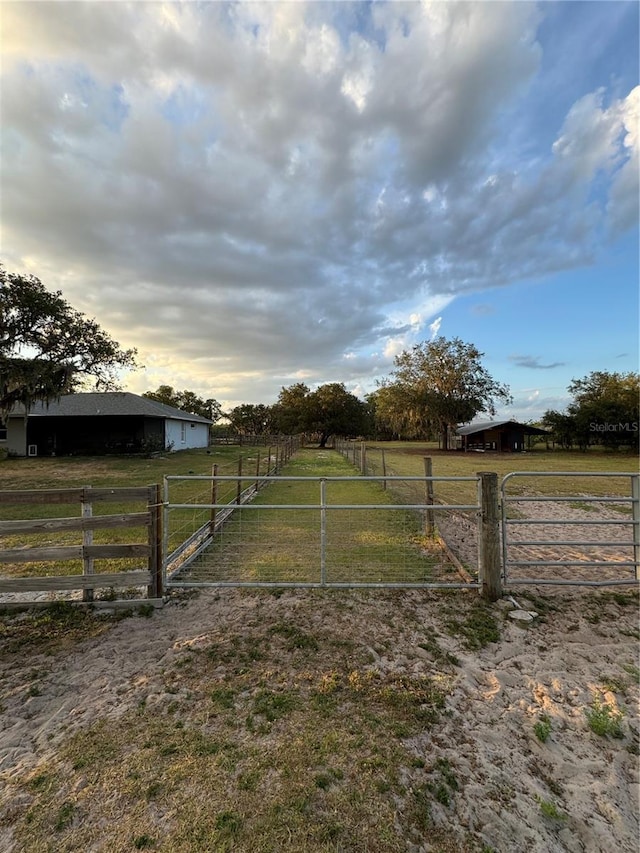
{"type": "Point", "coordinates": [443, 383]}
{"type": "Point", "coordinates": [335, 411]}
{"type": "Point", "coordinates": [47, 348]}
{"type": "Point", "coordinates": [397, 414]}
{"type": "Point", "coordinates": [291, 412]}
{"type": "Point", "coordinates": [187, 401]}
{"type": "Point", "coordinates": [562, 426]}
{"type": "Point", "coordinates": [329, 410]}
{"type": "Point", "coordinates": [249, 419]}
{"type": "Point", "coordinates": [604, 410]}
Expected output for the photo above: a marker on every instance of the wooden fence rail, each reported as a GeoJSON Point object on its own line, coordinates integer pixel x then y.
{"type": "Point", "coordinates": [87, 551]}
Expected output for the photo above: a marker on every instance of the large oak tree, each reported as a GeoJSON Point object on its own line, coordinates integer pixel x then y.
{"type": "Point", "coordinates": [47, 348]}
{"type": "Point", "coordinates": [329, 410]}
{"type": "Point", "coordinates": [439, 384]}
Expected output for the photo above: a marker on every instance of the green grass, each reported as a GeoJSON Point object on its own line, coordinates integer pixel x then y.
{"type": "Point", "coordinates": [550, 810]}
{"type": "Point", "coordinates": [55, 628]}
{"type": "Point", "coordinates": [364, 545]}
{"type": "Point", "coordinates": [478, 628]}
{"type": "Point", "coordinates": [406, 458]}
{"type": "Point", "coordinates": [542, 728]}
{"type": "Point", "coordinates": [115, 472]}
{"type": "Point", "coordinates": [604, 719]}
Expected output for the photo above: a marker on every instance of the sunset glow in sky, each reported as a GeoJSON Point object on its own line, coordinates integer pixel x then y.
{"type": "Point", "coordinates": [260, 194]}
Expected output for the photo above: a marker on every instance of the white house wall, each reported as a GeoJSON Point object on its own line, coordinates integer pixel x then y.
{"type": "Point", "coordinates": [182, 435]}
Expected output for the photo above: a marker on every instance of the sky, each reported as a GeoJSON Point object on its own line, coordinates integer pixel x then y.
{"type": "Point", "coordinates": [260, 194]}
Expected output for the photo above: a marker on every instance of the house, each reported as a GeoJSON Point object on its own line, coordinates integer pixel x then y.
{"type": "Point", "coordinates": [96, 423]}
{"type": "Point", "coordinates": [503, 436]}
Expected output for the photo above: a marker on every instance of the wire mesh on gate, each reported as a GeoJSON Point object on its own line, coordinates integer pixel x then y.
{"type": "Point", "coordinates": [310, 531]}
{"type": "Point", "coordinates": [457, 527]}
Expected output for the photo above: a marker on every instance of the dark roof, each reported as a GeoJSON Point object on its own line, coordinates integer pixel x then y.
{"type": "Point", "coordinates": [120, 403]}
{"type": "Point", "coordinates": [481, 426]}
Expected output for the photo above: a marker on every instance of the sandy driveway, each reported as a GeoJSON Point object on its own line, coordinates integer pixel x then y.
{"type": "Point", "coordinates": [583, 647]}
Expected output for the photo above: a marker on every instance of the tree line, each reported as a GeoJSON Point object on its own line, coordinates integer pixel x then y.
{"type": "Point", "coordinates": [604, 411]}
{"type": "Point", "coordinates": [47, 349]}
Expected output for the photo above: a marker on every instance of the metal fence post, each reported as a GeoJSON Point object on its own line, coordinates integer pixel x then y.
{"type": "Point", "coordinates": [428, 472]}
{"type": "Point", "coordinates": [635, 509]}
{"type": "Point", "coordinates": [214, 497]}
{"type": "Point", "coordinates": [489, 537]}
{"type": "Point", "coordinates": [164, 550]}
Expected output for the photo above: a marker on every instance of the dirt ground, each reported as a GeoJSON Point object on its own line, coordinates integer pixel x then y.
{"type": "Point", "coordinates": [525, 768]}
{"type": "Point", "coordinates": [459, 529]}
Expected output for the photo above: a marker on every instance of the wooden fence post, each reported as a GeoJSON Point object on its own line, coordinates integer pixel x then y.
{"type": "Point", "coordinates": [489, 537]}
{"type": "Point", "coordinates": [430, 526]}
{"type": "Point", "coordinates": [363, 459]}
{"type": "Point", "coordinates": [239, 487]}
{"type": "Point", "coordinates": [154, 507]}
{"type": "Point", "coordinates": [87, 539]}
{"type": "Point", "coordinates": [384, 470]}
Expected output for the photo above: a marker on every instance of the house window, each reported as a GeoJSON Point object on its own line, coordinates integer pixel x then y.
{"type": "Point", "coordinates": [183, 432]}
{"type": "Point", "coordinates": [3, 432]}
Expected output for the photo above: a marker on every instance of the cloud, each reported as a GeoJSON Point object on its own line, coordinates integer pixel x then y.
{"type": "Point", "coordinates": [533, 362]}
{"type": "Point", "coordinates": [246, 191]}
{"type": "Point", "coordinates": [526, 407]}
{"type": "Point", "coordinates": [434, 328]}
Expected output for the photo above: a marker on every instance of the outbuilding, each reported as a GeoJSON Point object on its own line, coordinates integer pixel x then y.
{"type": "Point", "coordinates": [96, 423]}
{"type": "Point", "coordinates": [507, 436]}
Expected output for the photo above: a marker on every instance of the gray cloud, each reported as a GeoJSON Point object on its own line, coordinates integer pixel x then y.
{"type": "Point", "coordinates": [243, 191]}
{"type": "Point", "coordinates": [533, 362]}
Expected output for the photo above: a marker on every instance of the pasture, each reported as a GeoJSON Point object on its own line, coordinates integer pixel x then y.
{"type": "Point", "coordinates": [317, 720]}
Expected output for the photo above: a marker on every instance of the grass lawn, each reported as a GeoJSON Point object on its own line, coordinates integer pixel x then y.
{"type": "Point", "coordinates": [407, 458]}
{"type": "Point", "coordinates": [105, 471]}
{"type": "Point", "coordinates": [362, 545]}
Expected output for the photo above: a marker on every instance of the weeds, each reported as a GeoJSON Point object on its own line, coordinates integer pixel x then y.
{"type": "Point", "coordinates": [550, 810]}
{"type": "Point", "coordinates": [633, 671]}
{"type": "Point", "coordinates": [439, 655]}
{"type": "Point", "coordinates": [542, 728]}
{"type": "Point", "coordinates": [296, 638]}
{"type": "Point", "coordinates": [604, 720]}
{"type": "Point", "coordinates": [56, 627]}
{"type": "Point", "coordinates": [272, 706]}
{"type": "Point", "coordinates": [478, 629]}
{"type": "Point", "coordinates": [144, 842]}
{"type": "Point", "coordinates": [64, 816]}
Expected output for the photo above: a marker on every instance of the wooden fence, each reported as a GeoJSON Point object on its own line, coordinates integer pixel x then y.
{"type": "Point", "coordinates": [86, 551]}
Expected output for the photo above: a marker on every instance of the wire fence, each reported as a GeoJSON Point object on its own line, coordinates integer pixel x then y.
{"type": "Point", "coordinates": [457, 527]}
{"type": "Point", "coordinates": [580, 528]}
{"type": "Point", "coordinates": [310, 531]}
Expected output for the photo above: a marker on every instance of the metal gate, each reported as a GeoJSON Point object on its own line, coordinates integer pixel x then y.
{"type": "Point", "coordinates": [571, 538]}
{"type": "Point", "coordinates": [320, 532]}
